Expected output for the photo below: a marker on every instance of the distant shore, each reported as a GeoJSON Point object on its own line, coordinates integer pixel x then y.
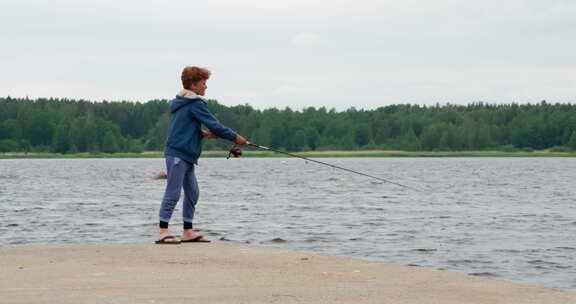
{"type": "Point", "coordinates": [234, 273]}
{"type": "Point", "coordinates": [312, 154]}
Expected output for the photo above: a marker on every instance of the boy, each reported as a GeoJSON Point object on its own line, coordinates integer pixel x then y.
{"type": "Point", "coordinates": [183, 148]}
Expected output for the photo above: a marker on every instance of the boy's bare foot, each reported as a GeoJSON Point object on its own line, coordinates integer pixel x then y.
{"type": "Point", "coordinates": [188, 235]}
{"type": "Point", "coordinates": [164, 237]}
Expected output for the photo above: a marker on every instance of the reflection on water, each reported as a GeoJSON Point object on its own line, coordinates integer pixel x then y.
{"type": "Point", "coordinates": [510, 219]}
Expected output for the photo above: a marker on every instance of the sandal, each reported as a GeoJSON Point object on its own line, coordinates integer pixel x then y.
{"type": "Point", "coordinates": [164, 242]}
{"type": "Point", "coordinates": [198, 239]}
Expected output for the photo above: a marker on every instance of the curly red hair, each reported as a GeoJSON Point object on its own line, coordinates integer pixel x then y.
{"type": "Point", "coordinates": [193, 74]}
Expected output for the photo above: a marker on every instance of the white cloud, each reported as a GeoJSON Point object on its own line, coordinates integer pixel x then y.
{"type": "Point", "coordinates": [305, 38]}
{"type": "Point", "coordinates": [296, 53]}
{"type": "Point", "coordinates": [288, 89]}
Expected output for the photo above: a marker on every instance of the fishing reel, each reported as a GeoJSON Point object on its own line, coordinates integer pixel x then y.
{"type": "Point", "coordinates": [234, 152]}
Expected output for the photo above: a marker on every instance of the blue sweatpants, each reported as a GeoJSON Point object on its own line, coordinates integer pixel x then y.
{"type": "Point", "coordinates": [180, 176]}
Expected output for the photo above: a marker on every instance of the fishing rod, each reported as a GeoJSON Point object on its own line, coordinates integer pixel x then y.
{"type": "Point", "coordinates": [235, 152]}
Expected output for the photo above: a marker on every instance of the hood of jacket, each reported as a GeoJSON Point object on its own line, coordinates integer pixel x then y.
{"type": "Point", "coordinates": [184, 98]}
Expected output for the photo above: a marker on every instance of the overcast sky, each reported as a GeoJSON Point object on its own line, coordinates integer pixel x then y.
{"type": "Point", "coordinates": [296, 53]}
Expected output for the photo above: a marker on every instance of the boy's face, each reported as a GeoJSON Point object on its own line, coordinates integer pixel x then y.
{"type": "Point", "coordinates": [199, 87]}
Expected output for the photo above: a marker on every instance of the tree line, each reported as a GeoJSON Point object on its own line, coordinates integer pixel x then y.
{"type": "Point", "coordinates": [73, 126]}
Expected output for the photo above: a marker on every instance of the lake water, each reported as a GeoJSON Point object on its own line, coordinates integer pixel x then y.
{"type": "Point", "coordinates": [504, 218]}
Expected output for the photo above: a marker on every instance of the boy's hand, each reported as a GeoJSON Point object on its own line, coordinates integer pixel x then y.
{"type": "Point", "coordinates": [208, 134]}
{"type": "Point", "coordinates": [241, 141]}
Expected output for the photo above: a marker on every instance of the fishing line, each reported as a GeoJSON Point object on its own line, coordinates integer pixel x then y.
{"type": "Point", "coordinates": [235, 152]}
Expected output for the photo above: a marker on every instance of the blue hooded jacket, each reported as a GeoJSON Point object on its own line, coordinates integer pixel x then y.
{"type": "Point", "coordinates": [185, 134]}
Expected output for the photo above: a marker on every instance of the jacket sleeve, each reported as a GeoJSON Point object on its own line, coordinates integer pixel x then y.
{"type": "Point", "coordinates": [200, 111]}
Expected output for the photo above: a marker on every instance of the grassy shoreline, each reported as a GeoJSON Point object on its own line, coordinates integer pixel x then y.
{"type": "Point", "coordinates": [313, 154]}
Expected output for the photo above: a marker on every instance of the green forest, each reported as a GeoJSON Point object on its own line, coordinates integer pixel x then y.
{"type": "Point", "coordinates": [74, 126]}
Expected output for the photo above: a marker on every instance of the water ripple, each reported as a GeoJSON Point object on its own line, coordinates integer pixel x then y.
{"type": "Point", "coordinates": [512, 219]}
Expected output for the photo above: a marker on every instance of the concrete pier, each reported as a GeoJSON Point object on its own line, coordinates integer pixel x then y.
{"type": "Point", "coordinates": [232, 273]}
